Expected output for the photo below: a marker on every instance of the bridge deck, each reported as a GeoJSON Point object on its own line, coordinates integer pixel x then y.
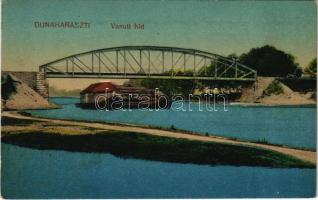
{"type": "Point", "coordinates": [139, 76]}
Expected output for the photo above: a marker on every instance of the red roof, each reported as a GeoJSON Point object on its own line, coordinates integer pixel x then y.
{"type": "Point", "coordinates": [100, 88]}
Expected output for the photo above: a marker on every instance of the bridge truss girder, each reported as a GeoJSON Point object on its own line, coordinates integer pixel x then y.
{"type": "Point", "coordinates": [134, 62]}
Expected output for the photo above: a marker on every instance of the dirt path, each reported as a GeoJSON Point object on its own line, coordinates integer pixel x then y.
{"type": "Point", "coordinates": [301, 154]}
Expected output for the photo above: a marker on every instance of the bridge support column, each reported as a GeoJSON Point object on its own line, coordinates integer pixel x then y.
{"type": "Point", "coordinates": [41, 85]}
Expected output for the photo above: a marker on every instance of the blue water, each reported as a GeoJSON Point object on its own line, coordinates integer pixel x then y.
{"type": "Point", "coordinates": [292, 126]}
{"type": "Point", "coordinates": [29, 173]}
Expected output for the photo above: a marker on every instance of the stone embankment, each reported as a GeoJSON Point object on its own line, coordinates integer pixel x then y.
{"type": "Point", "coordinates": [18, 95]}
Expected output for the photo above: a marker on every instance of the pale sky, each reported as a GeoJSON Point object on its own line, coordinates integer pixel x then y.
{"type": "Point", "coordinates": [221, 27]}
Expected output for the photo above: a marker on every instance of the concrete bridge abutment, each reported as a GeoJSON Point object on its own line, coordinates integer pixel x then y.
{"type": "Point", "coordinates": [35, 80]}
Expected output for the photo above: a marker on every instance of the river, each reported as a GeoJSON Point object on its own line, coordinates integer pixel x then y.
{"type": "Point", "coordinates": [292, 126]}
{"type": "Point", "coordinates": [30, 173]}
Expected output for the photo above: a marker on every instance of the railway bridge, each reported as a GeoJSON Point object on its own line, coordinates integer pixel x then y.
{"type": "Point", "coordinates": [139, 62]}
{"type": "Point", "coordinates": [133, 62]}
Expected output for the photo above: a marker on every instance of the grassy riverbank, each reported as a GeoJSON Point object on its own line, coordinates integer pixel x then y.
{"type": "Point", "coordinates": [125, 144]}
{"type": "Point", "coordinates": [172, 128]}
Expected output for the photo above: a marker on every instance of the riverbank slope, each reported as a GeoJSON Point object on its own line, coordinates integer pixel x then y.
{"type": "Point", "coordinates": [17, 95]}
{"type": "Point", "coordinates": [281, 95]}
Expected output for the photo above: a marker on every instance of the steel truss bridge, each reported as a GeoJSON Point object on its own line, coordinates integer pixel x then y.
{"type": "Point", "coordinates": [133, 62]}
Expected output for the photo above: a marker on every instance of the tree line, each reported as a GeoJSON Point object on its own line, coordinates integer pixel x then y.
{"type": "Point", "coordinates": [269, 61]}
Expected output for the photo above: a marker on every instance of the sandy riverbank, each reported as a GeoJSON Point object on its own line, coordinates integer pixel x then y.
{"type": "Point", "coordinates": [64, 125]}
{"type": "Point", "coordinates": [17, 95]}
{"type": "Point", "coordinates": [288, 97]}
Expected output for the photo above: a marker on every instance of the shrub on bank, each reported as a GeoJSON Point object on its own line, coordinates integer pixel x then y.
{"type": "Point", "coordinates": [274, 88]}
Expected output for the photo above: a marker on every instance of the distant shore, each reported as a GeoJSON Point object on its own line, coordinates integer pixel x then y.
{"type": "Point", "coordinates": [138, 142]}
{"type": "Point", "coordinates": [272, 105]}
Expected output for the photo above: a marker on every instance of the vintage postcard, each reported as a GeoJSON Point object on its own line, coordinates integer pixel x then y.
{"type": "Point", "coordinates": [158, 99]}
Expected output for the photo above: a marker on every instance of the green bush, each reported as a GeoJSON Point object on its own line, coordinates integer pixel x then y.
{"type": "Point", "coordinates": [274, 88]}
{"type": "Point", "coordinates": [8, 87]}
{"type": "Point", "coordinates": [312, 68]}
